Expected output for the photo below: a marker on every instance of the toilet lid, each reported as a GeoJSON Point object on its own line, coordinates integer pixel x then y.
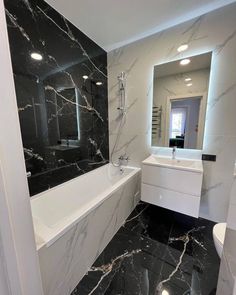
{"type": "Point", "coordinates": [219, 232]}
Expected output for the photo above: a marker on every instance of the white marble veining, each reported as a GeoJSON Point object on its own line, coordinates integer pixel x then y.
{"type": "Point", "coordinates": [108, 268]}
{"type": "Point", "coordinates": [69, 34]}
{"type": "Point", "coordinates": [214, 32]}
{"type": "Point", "coordinates": [185, 239]}
{"type": "Point", "coordinates": [72, 241]}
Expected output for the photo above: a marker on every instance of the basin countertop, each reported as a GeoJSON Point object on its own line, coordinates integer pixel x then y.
{"type": "Point", "coordinates": [178, 163]}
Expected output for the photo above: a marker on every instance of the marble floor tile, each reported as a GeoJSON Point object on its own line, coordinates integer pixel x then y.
{"type": "Point", "coordinates": [156, 250]}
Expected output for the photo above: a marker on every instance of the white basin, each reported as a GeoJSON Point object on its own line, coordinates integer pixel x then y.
{"type": "Point", "coordinates": [181, 164]}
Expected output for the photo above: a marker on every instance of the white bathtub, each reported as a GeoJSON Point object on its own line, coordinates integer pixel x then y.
{"type": "Point", "coordinates": [75, 221]}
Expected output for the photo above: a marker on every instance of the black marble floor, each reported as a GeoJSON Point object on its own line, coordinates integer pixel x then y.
{"type": "Point", "coordinates": [157, 251]}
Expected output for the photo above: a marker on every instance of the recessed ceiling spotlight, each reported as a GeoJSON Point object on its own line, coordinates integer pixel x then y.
{"type": "Point", "coordinates": [182, 47]}
{"type": "Point", "coordinates": [98, 83]}
{"type": "Point", "coordinates": [189, 84]}
{"type": "Point", "coordinates": [165, 292]}
{"type": "Point", "coordinates": [36, 56]}
{"type": "Point", "coordinates": [187, 79]}
{"type": "Point", "coordinates": [185, 61]}
{"type": "Point", "coordinates": [85, 77]}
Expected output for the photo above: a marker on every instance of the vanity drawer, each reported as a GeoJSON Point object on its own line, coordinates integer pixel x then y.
{"type": "Point", "coordinates": [179, 202]}
{"type": "Point", "coordinates": [173, 179]}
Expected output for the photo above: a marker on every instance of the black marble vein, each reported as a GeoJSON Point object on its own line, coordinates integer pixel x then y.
{"type": "Point", "coordinates": [155, 252]}
{"type": "Point", "coordinates": [63, 112]}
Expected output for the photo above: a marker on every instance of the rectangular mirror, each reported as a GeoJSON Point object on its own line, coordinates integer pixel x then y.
{"type": "Point", "coordinates": [68, 114]}
{"type": "Point", "coordinates": [180, 94]}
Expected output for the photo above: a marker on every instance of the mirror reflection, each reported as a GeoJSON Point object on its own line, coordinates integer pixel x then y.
{"type": "Point", "coordinates": [180, 93]}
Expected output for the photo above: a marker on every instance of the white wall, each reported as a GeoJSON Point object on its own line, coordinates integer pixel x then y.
{"type": "Point", "coordinates": [174, 85]}
{"type": "Point", "coordinates": [16, 227]}
{"type": "Point", "coordinates": [4, 284]}
{"type": "Point", "coordinates": [227, 274]}
{"type": "Point", "coordinates": [215, 32]}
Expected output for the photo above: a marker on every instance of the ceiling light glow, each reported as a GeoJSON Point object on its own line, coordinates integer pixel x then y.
{"type": "Point", "coordinates": [36, 56]}
{"type": "Point", "coordinates": [187, 79]}
{"type": "Point", "coordinates": [165, 292]}
{"type": "Point", "coordinates": [185, 61]}
{"type": "Point", "coordinates": [85, 77]}
{"type": "Point", "coordinates": [189, 84]}
{"type": "Point", "coordinates": [182, 47]}
{"type": "Point", "coordinates": [98, 83]}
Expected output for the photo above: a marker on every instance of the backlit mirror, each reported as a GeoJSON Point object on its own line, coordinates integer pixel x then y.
{"type": "Point", "coordinates": [180, 94]}
{"type": "Point", "coordinates": [67, 105]}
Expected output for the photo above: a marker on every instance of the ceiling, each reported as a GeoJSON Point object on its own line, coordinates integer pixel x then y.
{"type": "Point", "coordinates": [198, 62]}
{"type": "Point", "coordinates": [114, 23]}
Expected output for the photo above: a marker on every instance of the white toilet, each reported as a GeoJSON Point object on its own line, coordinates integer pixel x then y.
{"type": "Point", "coordinates": [219, 236]}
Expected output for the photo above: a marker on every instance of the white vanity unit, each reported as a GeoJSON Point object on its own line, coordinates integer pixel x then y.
{"type": "Point", "coordinates": [174, 184]}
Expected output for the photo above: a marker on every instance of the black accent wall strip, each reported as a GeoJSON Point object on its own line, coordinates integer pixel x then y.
{"type": "Point", "coordinates": [61, 86]}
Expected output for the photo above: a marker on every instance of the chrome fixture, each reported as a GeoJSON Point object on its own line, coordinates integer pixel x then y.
{"type": "Point", "coordinates": [28, 174]}
{"type": "Point", "coordinates": [122, 118]}
{"type": "Point", "coordinates": [174, 152]}
{"type": "Point", "coordinates": [122, 86]}
{"type": "Point", "coordinates": [156, 121]}
{"type": "Point", "coordinates": [122, 170]}
{"type": "Point", "coordinates": [121, 160]}
{"type": "Point", "coordinates": [124, 158]}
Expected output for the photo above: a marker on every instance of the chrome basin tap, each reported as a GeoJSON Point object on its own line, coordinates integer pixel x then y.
{"type": "Point", "coordinates": [174, 152]}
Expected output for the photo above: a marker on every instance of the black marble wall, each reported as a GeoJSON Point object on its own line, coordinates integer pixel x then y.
{"type": "Point", "coordinates": [62, 98]}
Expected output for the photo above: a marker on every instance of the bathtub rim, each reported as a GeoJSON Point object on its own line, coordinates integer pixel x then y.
{"type": "Point", "coordinates": [43, 193]}
{"type": "Point", "coordinates": [48, 236]}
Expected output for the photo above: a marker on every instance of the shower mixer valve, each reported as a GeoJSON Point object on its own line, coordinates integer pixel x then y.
{"type": "Point", "coordinates": [124, 158]}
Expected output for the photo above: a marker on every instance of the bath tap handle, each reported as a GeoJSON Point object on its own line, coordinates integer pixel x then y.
{"type": "Point", "coordinates": [127, 159]}
{"type": "Point", "coordinates": [174, 152]}
{"type": "Point", "coordinates": [123, 158]}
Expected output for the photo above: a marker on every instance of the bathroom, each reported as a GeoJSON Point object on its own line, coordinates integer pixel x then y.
{"type": "Point", "coordinates": [117, 147]}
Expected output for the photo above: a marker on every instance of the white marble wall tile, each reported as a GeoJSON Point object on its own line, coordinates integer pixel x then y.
{"type": "Point", "coordinates": [231, 219]}
{"type": "Point", "coordinates": [233, 192]}
{"type": "Point", "coordinates": [212, 32]}
{"type": "Point", "coordinates": [227, 275]}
